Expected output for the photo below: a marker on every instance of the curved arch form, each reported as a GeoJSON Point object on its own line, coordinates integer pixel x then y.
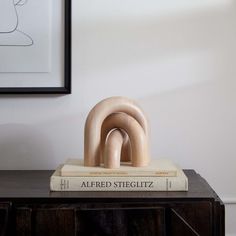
{"type": "Point", "coordinates": [126, 152]}
{"type": "Point", "coordinates": [137, 137]}
{"type": "Point", "coordinates": [113, 149]}
{"type": "Point", "coordinates": [97, 115]}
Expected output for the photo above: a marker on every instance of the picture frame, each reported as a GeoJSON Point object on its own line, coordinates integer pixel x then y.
{"type": "Point", "coordinates": [55, 76]}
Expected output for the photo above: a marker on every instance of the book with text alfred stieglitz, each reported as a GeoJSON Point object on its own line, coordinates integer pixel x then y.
{"type": "Point", "coordinates": [161, 175]}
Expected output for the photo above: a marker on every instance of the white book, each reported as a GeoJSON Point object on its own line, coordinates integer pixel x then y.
{"type": "Point", "coordinates": [118, 183]}
{"type": "Point", "coordinates": [161, 167]}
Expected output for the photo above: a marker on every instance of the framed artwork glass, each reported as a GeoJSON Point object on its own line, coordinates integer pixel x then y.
{"type": "Point", "coordinates": [35, 46]}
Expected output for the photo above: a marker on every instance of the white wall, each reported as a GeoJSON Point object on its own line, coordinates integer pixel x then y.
{"type": "Point", "coordinates": [176, 58]}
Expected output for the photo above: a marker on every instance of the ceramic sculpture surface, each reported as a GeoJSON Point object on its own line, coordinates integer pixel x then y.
{"type": "Point", "coordinates": [116, 130]}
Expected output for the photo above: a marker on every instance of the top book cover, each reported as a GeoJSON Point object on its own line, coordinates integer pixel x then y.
{"type": "Point", "coordinates": [160, 167]}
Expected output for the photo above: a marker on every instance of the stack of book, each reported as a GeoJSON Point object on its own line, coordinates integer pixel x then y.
{"type": "Point", "coordinates": [160, 175]}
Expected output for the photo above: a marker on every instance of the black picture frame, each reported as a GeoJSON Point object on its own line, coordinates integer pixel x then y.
{"type": "Point", "coordinates": [66, 88]}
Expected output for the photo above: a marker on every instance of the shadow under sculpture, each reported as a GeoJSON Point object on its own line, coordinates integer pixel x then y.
{"type": "Point", "coordinates": [116, 130]}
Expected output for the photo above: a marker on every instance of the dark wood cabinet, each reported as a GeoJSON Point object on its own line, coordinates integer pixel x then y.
{"type": "Point", "coordinates": [27, 207]}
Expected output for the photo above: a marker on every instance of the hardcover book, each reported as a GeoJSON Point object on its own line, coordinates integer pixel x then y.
{"type": "Point", "coordinates": [161, 167]}
{"type": "Point", "coordinates": [118, 183]}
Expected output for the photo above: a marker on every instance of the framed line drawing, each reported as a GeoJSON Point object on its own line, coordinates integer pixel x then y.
{"type": "Point", "coordinates": [35, 46]}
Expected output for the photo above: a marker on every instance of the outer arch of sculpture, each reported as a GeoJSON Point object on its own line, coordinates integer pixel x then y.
{"type": "Point", "coordinates": [106, 124]}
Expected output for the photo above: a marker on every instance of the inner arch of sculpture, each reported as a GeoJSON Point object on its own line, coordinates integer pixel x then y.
{"type": "Point", "coordinates": [116, 129]}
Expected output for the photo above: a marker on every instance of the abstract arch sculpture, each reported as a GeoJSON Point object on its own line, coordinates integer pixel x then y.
{"type": "Point", "coordinates": [116, 129]}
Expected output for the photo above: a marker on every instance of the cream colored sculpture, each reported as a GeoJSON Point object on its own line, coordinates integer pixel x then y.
{"type": "Point", "coordinates": [116, 129]}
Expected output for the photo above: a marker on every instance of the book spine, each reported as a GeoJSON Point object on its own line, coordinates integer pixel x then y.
{"type": "Point", "coordinates": [59, 183]}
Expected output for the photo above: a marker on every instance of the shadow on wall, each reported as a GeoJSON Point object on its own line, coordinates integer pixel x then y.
{"type": "Point", "coordinates": [170, 51]}
{"type": "Point", "coordinates": [23, 146]}
{"type": "Point", "coordinates": [147, 39]}
{"type": "Point", "coordinates": [196, 125]}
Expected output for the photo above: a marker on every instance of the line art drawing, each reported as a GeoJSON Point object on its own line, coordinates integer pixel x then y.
{"type": "Point", "coordinates": [10, 35]}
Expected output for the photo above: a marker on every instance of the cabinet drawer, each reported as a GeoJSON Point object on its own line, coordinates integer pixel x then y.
{"type": "Point", "coordinates": [61, 220]}
{"type": "Point", "coordinates": [190, 218]}
{"type": "Point", "coordinates": [125, 222]}
{"type": "Point", "coordinates": [174, 218]}
{"type": "Point", "coordinates": [46, 221]}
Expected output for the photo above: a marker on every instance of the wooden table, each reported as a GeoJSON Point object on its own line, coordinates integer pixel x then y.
{"type": "Point", "coordinates": [27, 207]}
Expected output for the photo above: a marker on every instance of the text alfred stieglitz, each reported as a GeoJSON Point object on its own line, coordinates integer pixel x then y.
{"type": "Point", "coordinates": [117, 184]}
